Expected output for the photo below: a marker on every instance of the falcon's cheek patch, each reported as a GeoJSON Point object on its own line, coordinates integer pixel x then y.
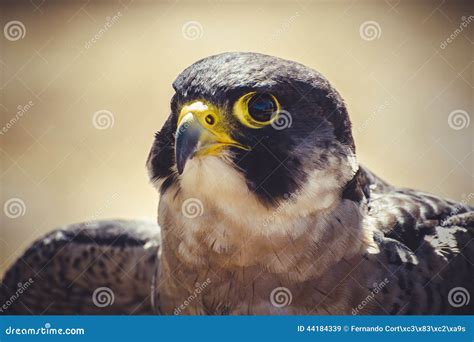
{"type": "Point", "coordinates": [160, 162]}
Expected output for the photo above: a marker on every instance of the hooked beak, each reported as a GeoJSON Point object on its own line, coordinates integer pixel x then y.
{"type": "Point", "coordinates": [188, 135]}
{"type": "Point", "coordinates": [201, 132]}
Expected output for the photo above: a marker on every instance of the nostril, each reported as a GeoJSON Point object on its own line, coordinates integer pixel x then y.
{"type": "Point", "coordinates": [210, 120]}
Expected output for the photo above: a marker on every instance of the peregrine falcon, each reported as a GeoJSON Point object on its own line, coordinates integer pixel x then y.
{"type": "Point", "coordinates": [263, 209]}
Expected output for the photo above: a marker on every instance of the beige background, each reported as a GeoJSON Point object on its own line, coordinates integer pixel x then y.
{"type": "Point", "coordinates": [400, 89]}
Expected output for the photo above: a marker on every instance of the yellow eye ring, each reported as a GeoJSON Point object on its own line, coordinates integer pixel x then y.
{"type": "Point", "coordinates": [257, 110]}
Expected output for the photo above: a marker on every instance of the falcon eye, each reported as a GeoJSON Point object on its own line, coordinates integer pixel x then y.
{"type": "Point", "coordinates": [257, 110]}
{"type": "Point", "coordinates": [261, 107]}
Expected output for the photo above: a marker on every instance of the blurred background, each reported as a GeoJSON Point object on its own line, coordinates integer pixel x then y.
{"type": "Point", "coordinates": [86, 84]}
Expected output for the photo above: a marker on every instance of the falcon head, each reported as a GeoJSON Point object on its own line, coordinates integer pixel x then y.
{"type": "Point", "coordinates": [254, 125]}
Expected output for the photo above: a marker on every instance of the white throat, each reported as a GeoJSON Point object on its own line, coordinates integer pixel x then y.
{"type": "Point", "coordinates": [213, 213]}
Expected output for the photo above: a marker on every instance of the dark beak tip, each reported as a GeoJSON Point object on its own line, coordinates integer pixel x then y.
{"type": "Point", "coordinates": [180, 163]}
{"type": "Point", "coordinates": [186, 142]}
{"type": "Point", "coordinates": [184, 152]}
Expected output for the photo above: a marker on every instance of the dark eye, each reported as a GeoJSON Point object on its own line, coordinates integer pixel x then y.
{"type": "Point", "coordinates": [261, 107]}
{"type": "Point", "coordinates": [256, 110]}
